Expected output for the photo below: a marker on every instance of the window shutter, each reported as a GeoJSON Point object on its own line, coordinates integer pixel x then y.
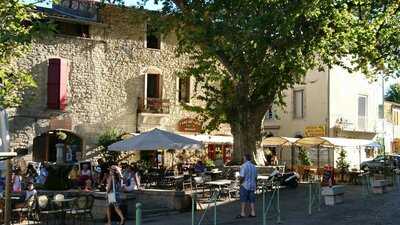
{"type": "Point", "coordinates": [187, 90]}
{"type": "Point", "coordinates": [57, 84]}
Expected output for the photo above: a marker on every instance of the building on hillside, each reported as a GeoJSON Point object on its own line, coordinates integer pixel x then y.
{"type": "Point", "coordinates": [331, 103]}
{"type": "Point", "coordinates": [105, 67]}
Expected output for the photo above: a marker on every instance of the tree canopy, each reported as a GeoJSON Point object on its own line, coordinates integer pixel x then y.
{"type": "Point", "coordinates": [19, 25]}
{"type": "Point", "coordinates": [393, 93]}
{"type": "Point", "coordinates": [247, 52]}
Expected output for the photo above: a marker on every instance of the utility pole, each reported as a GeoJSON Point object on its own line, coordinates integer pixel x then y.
{"type": "Point", "coordinates": [5, 138]}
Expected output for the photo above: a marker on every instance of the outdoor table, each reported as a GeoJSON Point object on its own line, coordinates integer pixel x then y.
{"type": "Point", "coordinates": [218, 183]}
{"type": "Point", "coordinates": [262, 177]}
{"type": "Point", "coordinates": [173, 179]}
{"type": "Point", "coordinates": [214, 174]}
{"type": "Point", "coordinates": [63, 204]}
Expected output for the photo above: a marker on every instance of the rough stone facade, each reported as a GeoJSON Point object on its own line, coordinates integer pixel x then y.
{"type": "Point", "coordinates": [105, 80]}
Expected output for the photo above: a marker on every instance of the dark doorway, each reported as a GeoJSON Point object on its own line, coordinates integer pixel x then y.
{"type": "Point", "coordinates": [44, 146]}
{"type": "Point", "coordinates": [153, 86]}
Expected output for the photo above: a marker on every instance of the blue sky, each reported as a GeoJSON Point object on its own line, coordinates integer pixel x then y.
{"type": "Point", "coordinates": [150, 5]}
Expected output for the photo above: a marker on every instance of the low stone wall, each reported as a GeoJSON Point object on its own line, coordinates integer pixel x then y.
{"type": "Point", "coordinates": [151, 199]}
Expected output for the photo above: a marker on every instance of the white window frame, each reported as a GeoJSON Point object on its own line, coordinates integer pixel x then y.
{"type": "Point", "coordinates": [303, 108]}
{"type": "Point", "coordinates": [362, 121]}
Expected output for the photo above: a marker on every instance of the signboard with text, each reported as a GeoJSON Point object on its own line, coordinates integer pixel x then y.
{"type": "Point", "coordinates": [314, 131]}
{"type": "Point", "coordinates": [189, 125]}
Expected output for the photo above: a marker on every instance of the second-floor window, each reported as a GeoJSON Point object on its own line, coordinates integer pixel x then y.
{"type": "Point", "coordinates": [72, 29]}
{"type": "Point", "coordinates": [396, 117]}
{"type": "Point", "coordinates": [184, 90]}
{"type": "Point", "coordinates": [153, 38]}
{"type": "Point", "coordinates": [298, 104]}
{"type": "Point", "coordinates": [362, 112]}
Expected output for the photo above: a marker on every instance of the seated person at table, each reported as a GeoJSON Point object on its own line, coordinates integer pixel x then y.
{"type": "Point", "coordinates": [16, 180]}
{"type": "Point", "coordinates": [199, 167]}
{"type": "Point", "coordinates": [88, 186]}
{"type": "Point", "coordinates": [73, 176]}
{"type": "Point", "coordinates": [132, 182]}
{"type": "Point", "coordinates": [30, 195]}
{"type": "Point", "coordinates": [85, 174]}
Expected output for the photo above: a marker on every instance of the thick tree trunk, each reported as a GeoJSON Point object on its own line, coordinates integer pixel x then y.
{"type": "Point", "coordinates": [246, 133]}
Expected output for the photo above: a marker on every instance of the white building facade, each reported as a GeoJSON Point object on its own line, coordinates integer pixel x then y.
{"type": "Point", "coordinates": [331, 103]}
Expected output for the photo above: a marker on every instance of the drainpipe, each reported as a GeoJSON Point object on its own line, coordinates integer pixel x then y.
{"type": "Point", "coordinates": [329, 104]}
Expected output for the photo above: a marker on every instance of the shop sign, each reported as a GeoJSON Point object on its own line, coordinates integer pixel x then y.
{"type": "Point", "coordinates": [314, 131]}
{"type": "Point", "coordinates": [189, 125]}
{"type": "Point", "coordinates": [56, 124]}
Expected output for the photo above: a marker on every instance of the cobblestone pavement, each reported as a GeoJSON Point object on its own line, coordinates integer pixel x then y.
{"type": "Point", "coordinates": [356, 210]}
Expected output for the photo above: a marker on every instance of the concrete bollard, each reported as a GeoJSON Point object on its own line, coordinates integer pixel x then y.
{"type": "Point", "coordinates": [138, 218]}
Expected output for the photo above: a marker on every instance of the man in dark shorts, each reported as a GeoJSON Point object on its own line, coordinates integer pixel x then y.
{"type": "Point", "coordinates": [248, 180]}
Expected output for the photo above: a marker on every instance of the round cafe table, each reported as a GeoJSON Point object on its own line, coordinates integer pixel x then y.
{"type": "Point", "coordinates": [63, 205]}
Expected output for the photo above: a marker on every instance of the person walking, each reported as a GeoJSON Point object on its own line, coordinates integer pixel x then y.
{"type": "Point", "coordinates": [113, 190]}
{"type": "Point", "coordinates": [248, 180]}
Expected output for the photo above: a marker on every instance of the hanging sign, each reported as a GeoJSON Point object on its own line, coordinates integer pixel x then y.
{"type": "Point", "coordinates": [189, 125]}
{"type": "Point", "coordinates": [314, 131]}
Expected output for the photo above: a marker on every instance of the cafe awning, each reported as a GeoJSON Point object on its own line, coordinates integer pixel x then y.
{"type": "Point", "coordinates": [336, 142]}
{"type": "Point", "coordinates": [154, 140]}
{"type": "Point", "coordinates": [211, 139]}
{"type": "Point", "coordinates": [278, 141]}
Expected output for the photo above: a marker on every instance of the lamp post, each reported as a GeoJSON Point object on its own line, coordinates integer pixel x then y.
{"type": "Point", "coordinates": [4, 142]}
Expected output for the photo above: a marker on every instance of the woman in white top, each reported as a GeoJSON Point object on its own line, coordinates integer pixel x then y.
{"type": "Point", "coordinates": [16, 181]}
{"type": "Point", "coordinates": [132, 182]}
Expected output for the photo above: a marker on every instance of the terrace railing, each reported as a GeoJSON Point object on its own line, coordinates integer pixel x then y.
{"type": "Point", "coordinates": [153, 105]}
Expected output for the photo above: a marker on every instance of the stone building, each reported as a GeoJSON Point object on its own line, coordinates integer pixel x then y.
{"type": "Point", "coordinates": [104, 68]}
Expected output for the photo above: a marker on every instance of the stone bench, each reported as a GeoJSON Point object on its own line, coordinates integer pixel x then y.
{"type": "Point", "coordinates": [333, 195]}
{"type": "Point", "coordinates": [379, 186]}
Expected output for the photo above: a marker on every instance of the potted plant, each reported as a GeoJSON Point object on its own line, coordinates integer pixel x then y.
{"type": "Point", "coordinates": [209, 164]}
{"type": "Point", "coordinates": [305, 161]}
{"type": "Point", "coordinates": [342, 164]}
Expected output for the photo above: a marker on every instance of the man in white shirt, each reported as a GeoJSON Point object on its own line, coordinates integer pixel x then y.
{"type": "Point", "coordinates": [248, 180]}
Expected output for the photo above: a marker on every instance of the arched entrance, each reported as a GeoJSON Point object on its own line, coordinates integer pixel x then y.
{"type": "Point", "coordinates": [44, 146]}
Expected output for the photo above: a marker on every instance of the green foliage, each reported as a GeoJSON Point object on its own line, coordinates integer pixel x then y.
{"type": "Point", "coordinates": [247, 52]}
{"type": "Point", "coordinates": [393, 94]}
{"type": "Point", "coordinates": [342, 163]}
{"type": "Point", "coordinates": [209, 163]}
{"type": "Point", "coordinates": [304, 157]}
{"type": "Point", "coordinates": [107, 138]}
{"type": "Point", "coordinates": [61, 136]}
{"type": "Point", "coordinates": [20, 24]}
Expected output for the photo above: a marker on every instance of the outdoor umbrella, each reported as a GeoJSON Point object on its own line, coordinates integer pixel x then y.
{"type": "Point", "coordinates": [155, 139]}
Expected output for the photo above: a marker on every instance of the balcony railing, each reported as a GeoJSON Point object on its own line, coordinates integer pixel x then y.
{"type": "Point", "coordinates": [153, 105]}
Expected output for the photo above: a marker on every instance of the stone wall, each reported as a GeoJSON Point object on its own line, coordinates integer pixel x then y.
{"type": "Point", "coordinates": [105, 80]}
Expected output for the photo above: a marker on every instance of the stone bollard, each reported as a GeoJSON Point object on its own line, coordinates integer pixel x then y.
{"type": "Point", "coordinates": [333, 195]}
{"type": "Point", "coordinates": [379, 186]}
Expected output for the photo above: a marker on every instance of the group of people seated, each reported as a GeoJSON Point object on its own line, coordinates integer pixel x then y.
{"type": "Point", "coordinates": [33, 175]}
{"type": "Point", "coordinates": [86, 180]}
{"type": "Point", "coordinates": [187, 168]}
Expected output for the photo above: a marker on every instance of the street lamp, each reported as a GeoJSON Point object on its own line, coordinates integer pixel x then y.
{"type": "Point", "coordinates": [6, 155]}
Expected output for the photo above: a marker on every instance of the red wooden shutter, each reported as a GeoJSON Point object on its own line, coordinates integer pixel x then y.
{"type": "Point", "coordinates": [57, 84]}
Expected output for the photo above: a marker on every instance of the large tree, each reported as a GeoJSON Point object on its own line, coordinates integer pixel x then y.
{"type": "Point", "coordinates": [19, 24]}
{"type": "Point", "coordinates": [247, 52]}
{"type": "Point", "coordinates": [393, 93]}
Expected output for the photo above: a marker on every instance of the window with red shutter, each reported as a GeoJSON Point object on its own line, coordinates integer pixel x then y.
{"type": "Point", "coordinates": [57, 84]}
